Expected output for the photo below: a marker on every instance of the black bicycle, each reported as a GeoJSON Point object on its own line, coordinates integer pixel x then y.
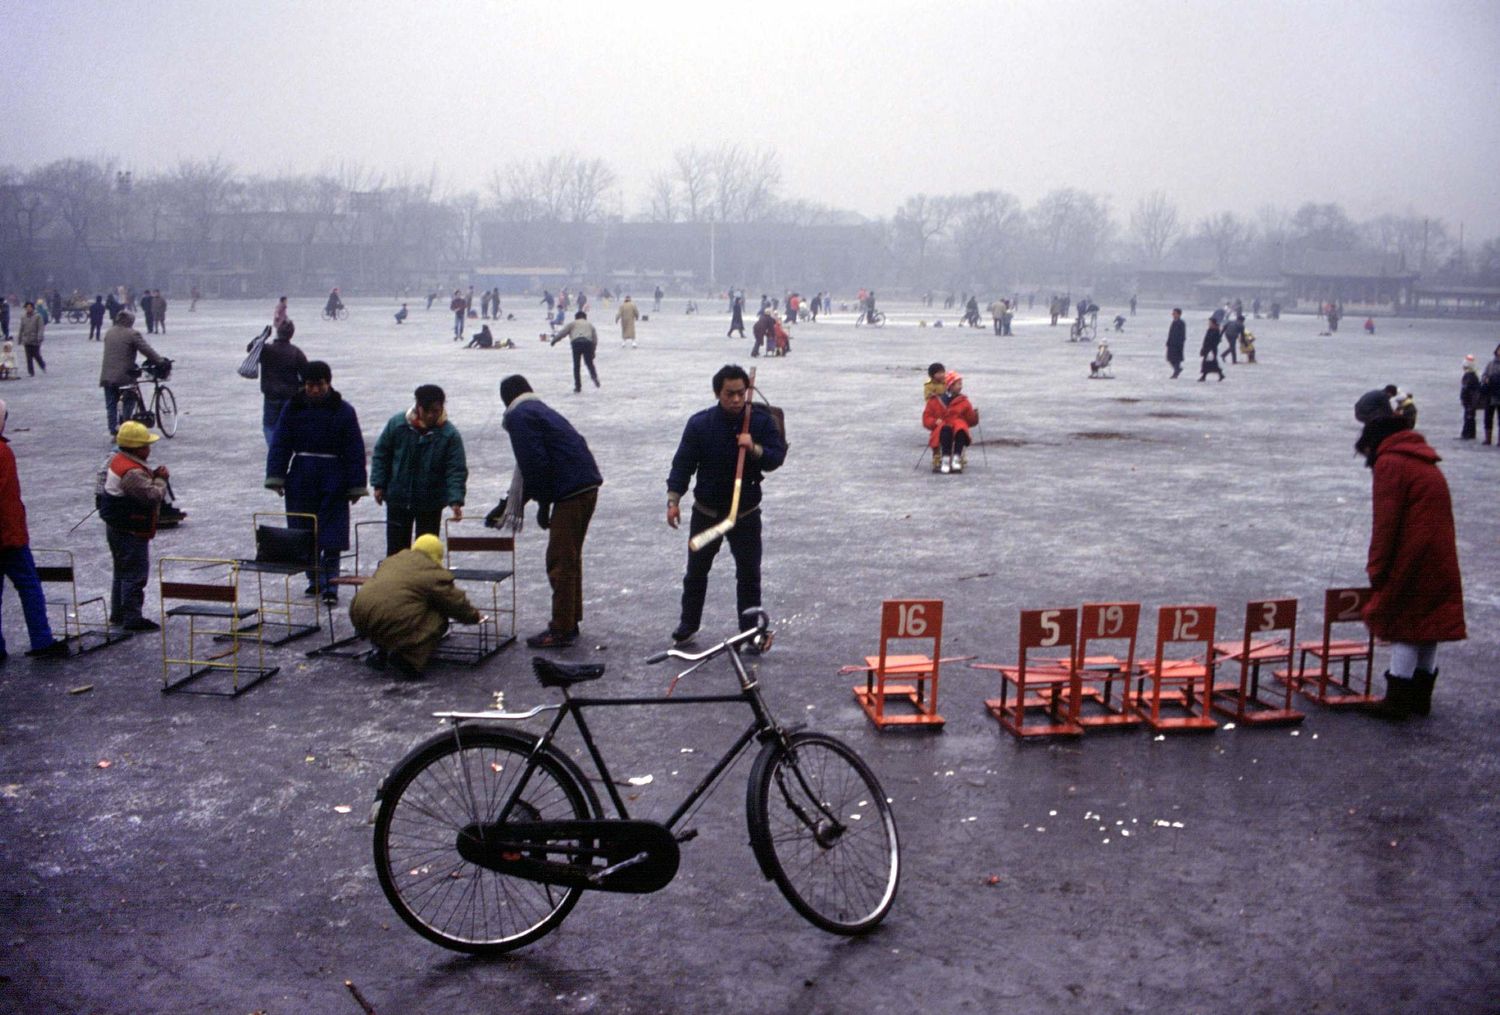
{"type": "Point", "coordinates": [159, 409]}
{"type": "Point", "coordinates": [487, 836]}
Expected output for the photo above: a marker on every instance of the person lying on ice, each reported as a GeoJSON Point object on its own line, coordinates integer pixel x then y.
{"type": "Point", "coordinates": [948, 417]}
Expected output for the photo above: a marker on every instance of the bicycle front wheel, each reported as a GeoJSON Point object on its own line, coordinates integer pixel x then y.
{"type": "Point", "coordinates": [451, 784]}
{"type": "Point", "coordinates": [166, 411]}
{"type": "Point", "coordinates": [822, 829]}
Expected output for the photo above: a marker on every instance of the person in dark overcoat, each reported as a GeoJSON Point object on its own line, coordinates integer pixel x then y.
{"type": "Point", "coordinates": [1416, 591]}
{"type": "Point", "coordinates": [1176, 341]}
{"type": "Point", "coordinates": [1209, 351]}
{"type": "Point", "coordinates": [317, 462]}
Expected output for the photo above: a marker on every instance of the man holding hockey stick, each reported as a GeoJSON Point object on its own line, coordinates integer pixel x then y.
{"type": "Point", "coordinates": [730, 446]}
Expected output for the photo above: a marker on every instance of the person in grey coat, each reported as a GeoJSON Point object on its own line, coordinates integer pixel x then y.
{"type": "Point", "coordinates": [31, 332]}
{"type": "Point", "coordinates": [121, 344]}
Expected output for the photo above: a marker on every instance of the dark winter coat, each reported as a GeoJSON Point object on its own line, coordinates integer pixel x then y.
{"type": "Point", "coordinates": [1210, 346]}
{"type": "Point", "coordinates": [281, 366]}
{"type": "Point", "coordinates": [709, 448]}
{"type": "Point", "coordinates": [317, 455]}
{"type": "Point", "coordinates": [419, 470]}
{"type": "Point", "coordinates": [1468, 390]}
{"type": "Point", "coordinates": [553, 458]}
{"type": "Point", "coordinates": [406, 604]}
{"type": "Point", "coordinates": [96, 313]}
{"type": "Point", "coordinates": [1176, 342]}
{"type": "Point", "coordinates": [1417, 593]}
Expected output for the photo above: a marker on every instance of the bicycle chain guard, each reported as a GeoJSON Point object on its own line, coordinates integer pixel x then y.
{"type": "Point", "coordinates": [645, 853]}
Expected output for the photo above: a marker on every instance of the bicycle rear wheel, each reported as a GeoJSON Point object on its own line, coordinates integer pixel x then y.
{"type": "Point", "coordinates": [451, 784]}
{"type": "Point", "coordinates": [166, 411]}
{"type": "Point", "coordinates": [822, 829]}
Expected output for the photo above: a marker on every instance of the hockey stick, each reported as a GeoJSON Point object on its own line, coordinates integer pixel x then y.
{"type": "Point", "coordinates": [708, 535]}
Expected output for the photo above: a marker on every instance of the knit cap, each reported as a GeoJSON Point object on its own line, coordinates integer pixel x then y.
{"type": "Point", "coordinates": [430, 545]}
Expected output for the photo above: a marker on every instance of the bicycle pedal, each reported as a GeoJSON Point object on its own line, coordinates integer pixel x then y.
{"type": "Point", "coordinates": [687, 835]}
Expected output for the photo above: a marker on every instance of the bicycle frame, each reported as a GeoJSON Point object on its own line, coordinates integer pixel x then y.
{"type": "Point", "coordinates": [762, 727]}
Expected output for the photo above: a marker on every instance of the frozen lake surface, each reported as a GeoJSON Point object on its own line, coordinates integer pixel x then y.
{"type": "Point", "coordinates": [1343, 868]}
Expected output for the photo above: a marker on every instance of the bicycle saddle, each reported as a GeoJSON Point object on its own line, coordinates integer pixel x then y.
{"type": "Point", "coordinates": [551, 674]}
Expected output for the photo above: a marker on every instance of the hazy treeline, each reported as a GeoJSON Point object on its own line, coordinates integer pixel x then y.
{"type": "Point", "coordinates": [88, 223]}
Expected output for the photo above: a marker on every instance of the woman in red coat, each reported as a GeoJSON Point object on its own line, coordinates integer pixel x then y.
{"type": "Point", "coordinates": [1416, 595]}
{"type": "Point", "coordinates": [948, 417]}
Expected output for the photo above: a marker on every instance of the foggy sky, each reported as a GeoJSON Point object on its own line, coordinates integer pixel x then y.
{"type": "Point", "coordinates": [1377, 105]}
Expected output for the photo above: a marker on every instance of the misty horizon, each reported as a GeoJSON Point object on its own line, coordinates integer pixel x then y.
{"type": "Point", "coordinates": [1383, 109]}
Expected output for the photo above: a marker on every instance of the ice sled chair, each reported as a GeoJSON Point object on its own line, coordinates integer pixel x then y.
{"type": "Point", "coordinates": [911, 679]}
{"type": "Point", "coordinates": [481, 565]}
{"type": "Point", "coordinates": [1045, 686]}
{"type": "Point", "coordinates": [201, 606]}
{"type": "Point", "coordinates": [56, 571]}
{"type": "Point", "coordinates": [1341, 607]}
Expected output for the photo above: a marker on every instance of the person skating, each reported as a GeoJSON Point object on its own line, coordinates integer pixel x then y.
{"type": "Point", "coordinates": [583, 341]}
{"type": "Point", "coordinates": [709, 449]}
{"type": "Point", "coordinates": [1468, 397]}
{"type": "Point", "coordinates": [764, 331]}
{"type": "Point", "coordinates": [459, 307]}
{"type": "Point", "coordinates": [97, 311]}
{"type": "Point", "coordinates": [16, 562]}
{"type": "Point", "coordinates": [555, 468]}
{"type": "Point", "coordinates": [737, 316]}
{"type": "Point", "coordinates": [626, 316]}
{"type": "Point", "coordinates": [1209, 351]}
{"type": "Point", "coordinates": [1176, 342]}
{"type": "Point", "coordinates": [334, 305]}
{"type": "Point", "coordinates": [1233, 332]}
{"type": "Point", "coordinates": [317, 462]}
{"type": "Point", "coordinates": [948, 417]}
{"type": "Point", "coordinates": [418, 468]}
{"type": "Point", "coordinates": [405, 607]}
{"type": "Point", "coordinates": [129, 502]}
{"type": "Point", "coordinates": [402, 314]}
{"type": "Point", "coordinates": [31, 331]}
{"type": "Point", "coordinates": [1416, 591]}
{"type": "Point", "coordinates": [1489, 393]}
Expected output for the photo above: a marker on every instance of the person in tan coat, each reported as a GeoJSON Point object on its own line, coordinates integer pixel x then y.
{"type": "Point", "coordinates": [405, 607]}
{"type": "Point", "coordinates": [627, 315]}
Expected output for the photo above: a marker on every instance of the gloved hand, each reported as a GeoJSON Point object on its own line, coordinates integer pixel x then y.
{"type": "Point", "coordinates": [492, 520]}
{"type": "Point", "coordinates": [544, 515]}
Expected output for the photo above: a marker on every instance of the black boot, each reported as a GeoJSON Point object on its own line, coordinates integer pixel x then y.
{"type": "Point", "coordinates": [1397, 703]}
{"type": "Point", "coordinates": [1421, 695]}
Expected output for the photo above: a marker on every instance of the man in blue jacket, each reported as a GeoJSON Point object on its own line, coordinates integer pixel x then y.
{"type": "Point", "coordinates": [710, 447]}
{"type": "Point", "coordinates": [417, 468]}
{"type": "Point", "coordinates": [555, 468]}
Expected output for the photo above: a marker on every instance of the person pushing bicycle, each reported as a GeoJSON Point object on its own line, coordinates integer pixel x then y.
{"type": "Point", "coordinates": [121, 343]}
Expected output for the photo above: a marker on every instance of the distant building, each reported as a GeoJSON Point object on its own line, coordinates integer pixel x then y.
{"type": "Point", "coordinates": [1350, 276]}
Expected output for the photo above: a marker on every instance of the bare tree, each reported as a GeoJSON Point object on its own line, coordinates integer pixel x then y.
{"type": "Point", "coordinates": [1417, 240]}
{"type": "Point", "coordinates": [661, 199]}
{"type": "Point", "coordinates": [1070, 227]}
{"type": "Point", "coordinates": [1154, 225]}
{"type": "Point", "coordinates": [745, 183]}
{"type": "Point", "coordinates": [1225, 233]}
{"type": "Point", "coordinates": [986, 229]}
{"type": "Point", "coordinates": [694, 172]}
{"type": "Point", "coordinates": [589, 182]}
{"type": "Point", "coordinates": [917, 223]}
{"type": "Point", "coordinates": [1323, 227]}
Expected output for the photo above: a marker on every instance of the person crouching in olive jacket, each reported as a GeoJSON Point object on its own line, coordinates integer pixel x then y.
{"type": "Point", "coordinates": [405, 607]}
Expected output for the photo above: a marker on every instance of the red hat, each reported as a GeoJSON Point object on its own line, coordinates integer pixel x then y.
{"type": "Point", "coordinates": [951, 378]}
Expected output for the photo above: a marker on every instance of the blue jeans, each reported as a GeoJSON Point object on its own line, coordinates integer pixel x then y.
{"type": "Point", "coordinates": [132, 558]}
{"type": "Point", "coordinates": [458, 324]}
{"type": "Point", "coordinates": [17, 565]}
{"type": "Point", "coordinates": [270, 413]}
